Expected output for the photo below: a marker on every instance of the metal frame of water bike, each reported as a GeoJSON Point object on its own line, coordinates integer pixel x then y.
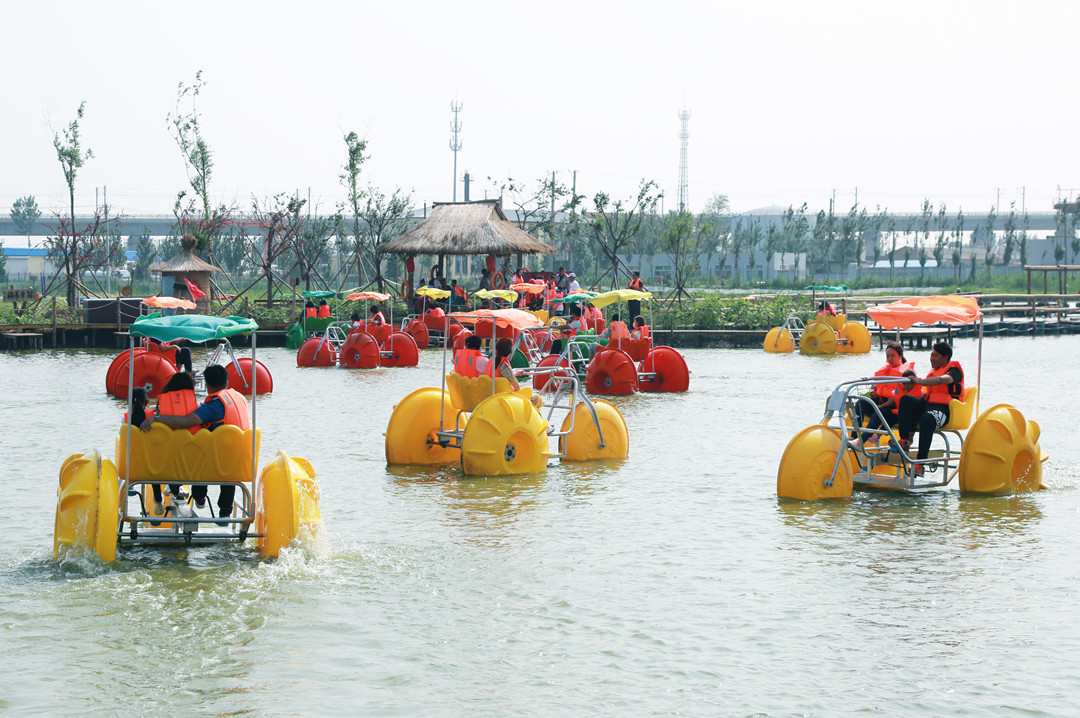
{"type": "Point", "coordinates": [567, 384]}
{"type": "Point", "coordinates": [840, 413]}
{"type": "Point", "coordinates": [184, 527]}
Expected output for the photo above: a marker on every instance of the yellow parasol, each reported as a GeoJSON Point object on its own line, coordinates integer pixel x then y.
{"type": "Point", "coordinates": [433, 293]}
{"type": "Point", "coordinates": [618, 295]}
{"type": "Point", "coordinates": [506, 294]}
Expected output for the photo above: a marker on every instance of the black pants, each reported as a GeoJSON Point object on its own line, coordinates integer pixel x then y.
{"type": "Point", "coordinates": [633, 308]}
{"type": "Point", "coordinates": [915, 413]}
{"type": "Point", "coordinates": [862, 409]}
{"type": "Point", "coordinates": [225, 497]}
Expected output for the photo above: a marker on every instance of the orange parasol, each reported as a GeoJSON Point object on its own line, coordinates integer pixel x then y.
{"type": "Point", "coordinates": [169, 303]}
{"type": "Point", "coordinates": [377, 296]}
{"type": "Point", "coordinates": [516, 318]}
{"type": "Point", "coordinates": [528, 288]}
{"type": "Point", "coordinates": [951, 309]}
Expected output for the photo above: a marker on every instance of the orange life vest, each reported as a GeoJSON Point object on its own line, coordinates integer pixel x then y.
{"type": "Point", "coordinates": [637, 284]}
{"type": "Point", "coordinates": [886, 390]}
{"type": "Point", "coordinates": [236, 409]}
{"type": "Point", "coordinates": [465, 362]}
{"type": "Point", "coordinates": [944, 393]}
{"type": "Point", "coordinates": [618, 331]}
{"type": "Point", "coordinates": [493, 368]}
{"type": "Point", "coordinates": [310, 312]}
{"type": "Point", "coordinates": [324, 311]}
{"type": "Point", "coordinates": [378, 319]}
{"type": "Point", "coordinates": [642, 332]}
{"type": "Point", "coordinates": [178, 403]}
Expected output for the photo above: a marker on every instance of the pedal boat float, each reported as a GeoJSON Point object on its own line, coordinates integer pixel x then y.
{"type": "Point", "coordinates": [1000, 454]}
{"type": "Point", "coordinates": [102, 504]}
{"type": "Point", "coordinates": [367, 346]}
{"type": "Point", "coordinates": [622, 366]}
{"type": "Point", "coordinates": [491, 430]}
{"type": "Point", "coordinates": [153, 364]}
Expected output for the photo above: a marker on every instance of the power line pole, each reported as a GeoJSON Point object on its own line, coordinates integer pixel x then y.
{"type": "Point", "coordinates": [455, 141]}
{"type": "Point", "coordinates": [684, 140]}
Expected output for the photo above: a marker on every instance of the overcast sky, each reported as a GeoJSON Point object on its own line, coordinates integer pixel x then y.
{"type": "Point", "coordinates": [790, 101]}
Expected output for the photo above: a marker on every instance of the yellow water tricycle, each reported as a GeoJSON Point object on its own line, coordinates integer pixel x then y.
{"type": "Point", "coordinates": [827, 334]}
{"type": "Point", "coordinates": [493, 430]}
{"type": "Point", "coordinates": [1000, 454]}
{"type": "Point", "coordinates": [101, 504]}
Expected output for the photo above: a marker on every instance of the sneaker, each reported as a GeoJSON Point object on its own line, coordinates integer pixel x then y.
{"type": "Point", "coordinates": [918, 471]}
{"type": "Point", "coordinates": [225, 514]}
{"type": "Point", "coordinates": [200, 503]}
{"type": "Point", "coordinates": [159, 508]}
{"type": "Point", "coordinates": [903, 444]}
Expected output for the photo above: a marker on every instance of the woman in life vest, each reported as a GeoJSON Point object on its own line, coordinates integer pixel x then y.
{"type": "Point", "coordinates": [458, 295]}
{"type": "Point", "coordinates": [825, 309]}
{"type": "Point", "coordinates": [929, 413]}
{"type": "Point", "coordinates": [356, 323]}
{"type": "Point", "coordinates": [641, 330]}
{"type": "Point", "coordinates": [177, 398]}
{"type": "Point", "coordinates": [324, 309]}
{"type": "Point", "coordinates": [377, 317]}
{"type": "Point", "coordinates": [309, 309]}
{"type": "Point", "coordinates": [887, 396]}
{"type": "Point", "coordinates": [221, 406]}
{"type": "Point", "coordinates": [499, 366]}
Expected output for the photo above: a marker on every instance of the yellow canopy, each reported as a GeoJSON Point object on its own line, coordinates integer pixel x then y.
{"type": "Point", "coordinates": [618, 295]}
{"type": "Point", "coordinates": [433, 293]}
{"type": "Point", "coordinates": [507, 294]}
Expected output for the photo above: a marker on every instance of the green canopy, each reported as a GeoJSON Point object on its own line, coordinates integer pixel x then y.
{"type": "Point", "coordinates": [193, 327]}
{"type": "Point", "coordinates": [828, 288]}
{"type": "Point", "coordinates": [321, 294]}
{"type": "Point", "coordinates": [575, 297]}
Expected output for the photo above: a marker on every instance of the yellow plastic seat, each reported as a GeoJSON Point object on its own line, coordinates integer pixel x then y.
{"type": "Point", "coordinates": [467, 392]}
{"type": "Point", "coordinates": [961, 410]}
{"type": "Point", "coordinates": [176, 456]}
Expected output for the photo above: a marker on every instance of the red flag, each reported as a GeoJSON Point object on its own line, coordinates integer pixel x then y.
{"type": "Point", "coordinates": [193, 287]}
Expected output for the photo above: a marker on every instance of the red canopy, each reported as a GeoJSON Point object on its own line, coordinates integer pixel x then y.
{"type": "Point", "coordinates": [902, 314]}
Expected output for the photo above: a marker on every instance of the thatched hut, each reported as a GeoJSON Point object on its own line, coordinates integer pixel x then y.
{"type": "Point", "coordinates": [187, 266]}
{"type": "Point", "coordinates": [465, 228]}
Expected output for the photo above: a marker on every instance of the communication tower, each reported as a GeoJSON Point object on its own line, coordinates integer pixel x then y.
{"type": "Point", "coordinates": [684, 140]}
{"type": "Point", "coordinates": [455, 141]}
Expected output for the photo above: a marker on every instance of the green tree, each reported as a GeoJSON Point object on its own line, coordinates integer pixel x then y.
{"type": "Point", "coordinates": [680, 243]}
{"type": "Point", "coordinates": [384, 218]}
{"type": "Point", "coordinates": [198, 159]}
{"type": "Point", "coordinates": [616, 223]}
{"type": "Point", "coordinates": [25, 214]}
{"type": "Point", "coordinates": [354, 163]}
{"type": "Point", "coordinates": [942, 240]}
{"type": "Point", "coordinates": [990, 238]}
{"type": "Point", "coordinates": [1010, 236]}
{"type": "Point", "coordinates": [71, 248]}
{"type": "Point", "coordinates": [958, 243]}
{"type": "Point", "coordinates": [145, 255]}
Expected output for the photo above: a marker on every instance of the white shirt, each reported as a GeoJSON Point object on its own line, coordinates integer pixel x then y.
{"type": "Point", "coordinates": [574, 286]}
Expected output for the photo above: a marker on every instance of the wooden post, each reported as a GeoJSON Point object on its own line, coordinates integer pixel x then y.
{"type": "Point", "coordinates": [54, 322]}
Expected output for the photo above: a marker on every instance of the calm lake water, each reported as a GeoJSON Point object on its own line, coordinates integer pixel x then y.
{"type": "Point", "coordinates": [673, 582]}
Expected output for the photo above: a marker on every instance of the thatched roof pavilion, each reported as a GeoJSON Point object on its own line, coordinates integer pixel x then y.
{"type": "Point", "coordinates": [186, 265]}
{"type": "Point", "coordinates": [466, 228]}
